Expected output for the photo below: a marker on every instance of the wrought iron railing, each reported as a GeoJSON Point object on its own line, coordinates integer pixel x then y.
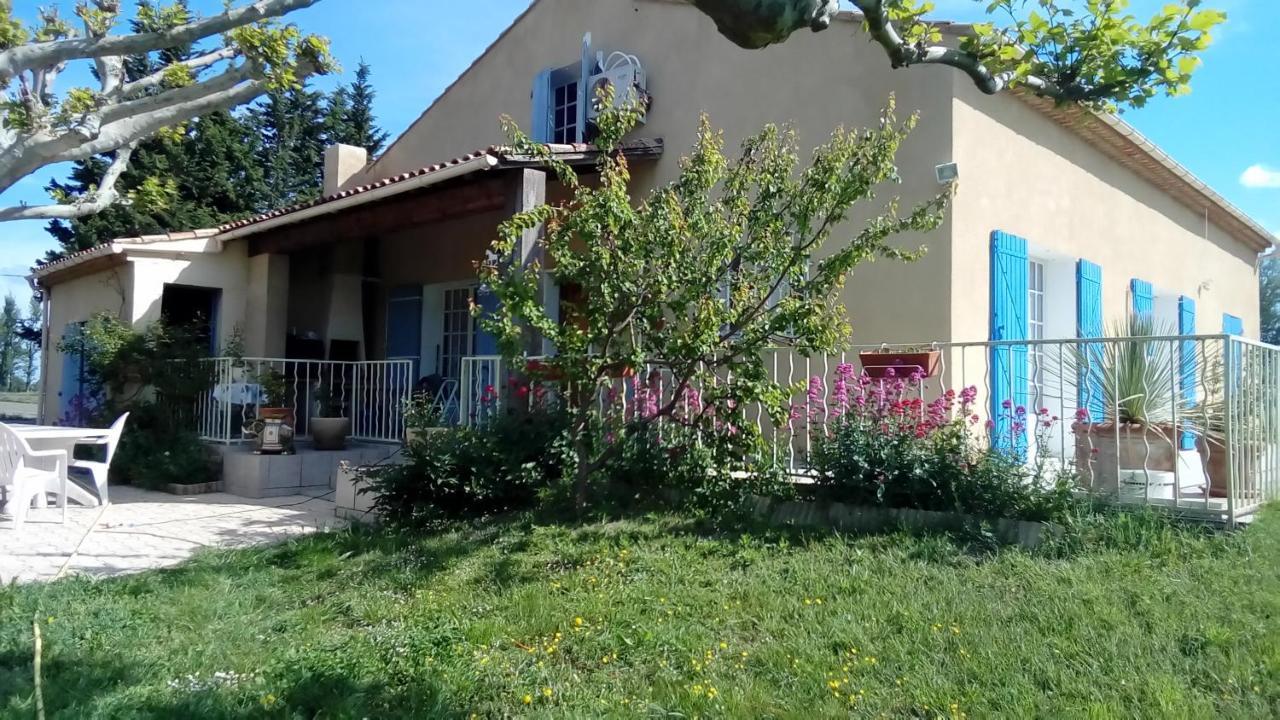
{"type": "Point", "coordinates": [1199, 416]}
{"type": "Point", "coordinates": [371, 394]}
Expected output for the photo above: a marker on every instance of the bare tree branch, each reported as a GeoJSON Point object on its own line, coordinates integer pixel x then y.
{"type": "Point", "coordinates": [36, 55]}
{"type": "Point", "coordinates": [102, 198]}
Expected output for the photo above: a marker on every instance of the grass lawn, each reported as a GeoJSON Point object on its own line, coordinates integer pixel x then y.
{"type": "Point", "coordinates": [652, 618]}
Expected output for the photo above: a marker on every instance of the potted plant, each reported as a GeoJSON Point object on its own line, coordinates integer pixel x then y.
{"type": "Point", "coordinates": [422, 415]}
{"type": "Point", "coordinates": [329, 426]}
{"type": "Point", "coordinates": [273, 428]}
{"type": "Point", "coordinates": [1247, 433]}
{"type": "Point", "coordinates": [1127, 442]}
{"type": "Point", "coordinates": [275, 394]}
{"type": "Point", "coordinates": [903, 363]}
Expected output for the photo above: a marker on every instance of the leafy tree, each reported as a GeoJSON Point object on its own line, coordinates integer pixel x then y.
{"type": "Point", "coordinates": [1093, 52]}
{"type": "Point", "coordinates": [29, 333]}
{"type": "Point", "coordinates": [225, 165]}
{"type": "Point", "coordinates": [10, 342]}
{"type": "Point", "coordinates": [1271, 301]}
{"type": "Point", "coordinates": [291, 126]}
{"type": "Point", "coordinates": [254, 55]}
{"type": "Point", "coordinates": [351, 118]}
{"type": "Point", "coordinates": [200, 176]}
{"type": "Point", "coordinates": [699, 278]}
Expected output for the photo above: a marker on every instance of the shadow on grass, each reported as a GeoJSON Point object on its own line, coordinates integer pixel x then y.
{"type": "Point", "coordinates": [75, 687]}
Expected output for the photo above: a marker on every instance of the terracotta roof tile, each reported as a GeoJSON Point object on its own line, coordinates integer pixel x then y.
{"type": "Point", "coordinates": [498, 152]}
{"type": "Point", "coordinates": [110, 249]}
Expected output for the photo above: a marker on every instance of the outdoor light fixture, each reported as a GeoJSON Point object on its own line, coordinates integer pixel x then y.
{"type": "Point", "coordinates": [947, 173]}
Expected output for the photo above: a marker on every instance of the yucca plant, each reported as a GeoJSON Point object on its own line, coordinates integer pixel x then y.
{"type": "Point", "coordinates": [1132, 376]}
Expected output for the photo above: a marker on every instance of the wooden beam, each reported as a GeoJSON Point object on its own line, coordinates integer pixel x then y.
{"type": "Point", "coordinates": [431, 205]}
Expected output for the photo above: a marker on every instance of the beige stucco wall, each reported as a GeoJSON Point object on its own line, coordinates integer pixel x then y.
{"type": "Point", "coordinates": [76, 301]}
{"type": "Point", "coordinates": [227, 270]}
{"type": "Point", "coordinates": [815, 81]}
{"type": "Point", "coordinates": [133, 291]}
{"type": "Point", "coordinates": [1025, 175]}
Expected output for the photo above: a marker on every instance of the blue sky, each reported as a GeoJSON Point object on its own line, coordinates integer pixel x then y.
{"type": "Point", "coordinates": [1225, 131]}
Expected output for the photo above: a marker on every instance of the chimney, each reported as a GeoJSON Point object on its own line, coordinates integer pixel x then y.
{"type": "Point", "coordinates": [341, 163]}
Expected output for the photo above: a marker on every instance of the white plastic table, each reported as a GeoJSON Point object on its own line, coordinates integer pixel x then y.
{"type": "Point", "coordinates": [57, 437]}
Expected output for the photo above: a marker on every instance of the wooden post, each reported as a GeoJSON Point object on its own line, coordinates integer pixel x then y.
{"type": "Point", "coordinates": [529, 192]}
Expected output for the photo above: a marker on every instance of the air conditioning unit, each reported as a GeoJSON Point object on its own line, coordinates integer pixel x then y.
{"type": "Point", "coordinates": [626, 75]}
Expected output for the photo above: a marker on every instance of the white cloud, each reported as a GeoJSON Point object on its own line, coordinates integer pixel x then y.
{"type": "Point", "coordinates": [1260, 176]}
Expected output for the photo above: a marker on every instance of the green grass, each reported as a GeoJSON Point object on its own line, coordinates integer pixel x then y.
{"type": "Point", "coordinates": [29, 398]}
{"type": "Point", "coordinates": [653, 618]}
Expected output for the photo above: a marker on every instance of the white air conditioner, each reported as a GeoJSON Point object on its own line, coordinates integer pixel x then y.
{"type": "Point", "coordinates": [625, 73]}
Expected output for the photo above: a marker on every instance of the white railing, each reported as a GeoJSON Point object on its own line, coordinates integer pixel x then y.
{"type": "Point", "coordinates": [1210, 447]}
{"type": "Point", "coordinates": [371, 394]}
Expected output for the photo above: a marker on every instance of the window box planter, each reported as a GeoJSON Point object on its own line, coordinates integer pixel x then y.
{"type": "Point", "coordinates": [882, 365]}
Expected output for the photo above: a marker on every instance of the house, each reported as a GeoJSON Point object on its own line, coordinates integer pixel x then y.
{"type": "Point", "coordinates": [1063, 220]}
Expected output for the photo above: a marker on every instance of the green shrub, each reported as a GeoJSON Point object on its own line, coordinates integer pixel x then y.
{"type": "Point", "coordinates": [712, 472]}
{"type": "Point", "coordinates": [154, 452]}
{"type": "Point", "coordinates": [500, 466]}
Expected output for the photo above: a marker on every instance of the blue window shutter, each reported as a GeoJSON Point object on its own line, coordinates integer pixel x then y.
{"type": "Point", "coordinates": [404, 326]}
{"type": "Point", "coordinates": [1008, 322]}
{"type": "Point", "coordinates": [1144, 302]}
{"type": "Point", "coordinates": [485, 343]}
{"type": "Point", "coordinates": [1232, 325]}
{"type": "Point", "coordinates": [584, 92]}
{"type": "Point", "coordinates": [540, 126]}
{"type": "Point", "coordinates": [1187, 361]}
{"type": "Point", "coordinates": [1089, 325]}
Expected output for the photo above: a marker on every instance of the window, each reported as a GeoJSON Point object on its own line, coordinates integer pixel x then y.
{"type": "Point", "coordinates": [458, 332]}
{"type": "Point", "coordinates": [1035, 329]}
{"type": "Point", "coordinates": [194, 308]}
{"type": "Point", "coordinates": [564, 127]}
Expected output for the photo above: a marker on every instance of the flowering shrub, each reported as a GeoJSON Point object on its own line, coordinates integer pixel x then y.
{"type": "Point", "coordinates": [886, 445]}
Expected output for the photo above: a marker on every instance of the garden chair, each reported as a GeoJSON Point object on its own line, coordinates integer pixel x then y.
{"type": "Point", "coordinates": [23, 479]}
{"type": "Point", "coordinates": [98, 471]}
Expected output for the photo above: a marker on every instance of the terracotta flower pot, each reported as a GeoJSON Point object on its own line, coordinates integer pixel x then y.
{"type": "Point", "coordinates": [1216, 461]}
{"type": "Point", "coordinates": [1102, 454]}
{"type": "Point", "coordinates": [878, 365]}
{"type": "Point", "coordinates": [278, 413]}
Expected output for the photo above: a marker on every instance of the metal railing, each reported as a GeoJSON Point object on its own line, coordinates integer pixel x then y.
{"type": "Point", "coordinates": [1199, 416]}
{"type": "Point", "coordinates": [371, 394]}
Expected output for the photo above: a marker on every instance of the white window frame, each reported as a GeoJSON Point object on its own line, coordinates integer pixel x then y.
{"type": "Point", "coordinates": [1036, 328]}
{"type": "Point", "coordinates": [564, 111]}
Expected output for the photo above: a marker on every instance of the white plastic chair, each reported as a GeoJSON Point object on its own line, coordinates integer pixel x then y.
{"type": "Point", "coordinates": [22, 477]}
{"type": "Point", "coordinates": [100, 470]}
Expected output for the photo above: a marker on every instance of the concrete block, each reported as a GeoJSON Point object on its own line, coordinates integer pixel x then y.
{"type": "Point", "coordinates": [283, 471]}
